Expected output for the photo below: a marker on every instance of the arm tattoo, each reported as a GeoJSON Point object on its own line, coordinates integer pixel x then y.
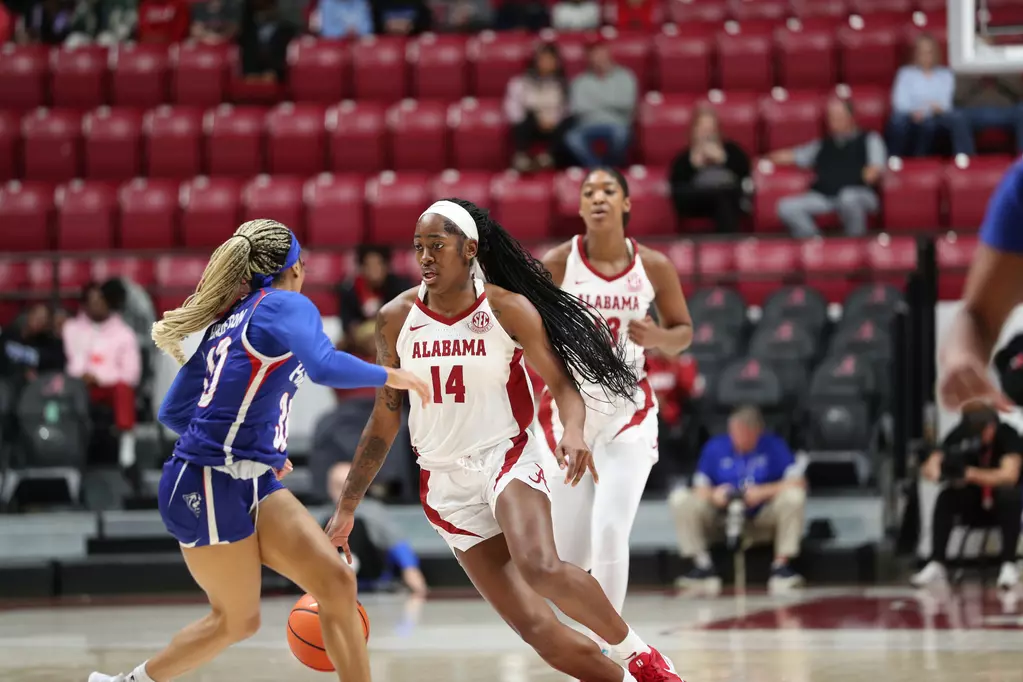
{"type": "Point", "coordinates": [389, 397]}
{"type": "Point", "coordinates": [369, 457]}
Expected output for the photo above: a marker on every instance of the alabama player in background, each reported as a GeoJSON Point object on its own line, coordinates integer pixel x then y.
{"type": "Point", "coordinates": [993, 289]}
{"type": "Point", "coordinates": [622, 281]}
{"type": "Point", "coordinates": [483, 485]}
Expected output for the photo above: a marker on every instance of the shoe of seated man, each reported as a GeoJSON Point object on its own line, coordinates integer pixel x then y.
{"type": "Point", "coordinates": [933, 573]}
{"type": "Point", "coordinates": [783, 578]}
{"type": "Point", "coordinates": [703, 580]}
{"type": "Point", "coordinates": [1008, 576]}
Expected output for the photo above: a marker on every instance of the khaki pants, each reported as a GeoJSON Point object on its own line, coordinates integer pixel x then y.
{"type": "Point", "coordinates": [697, 521]}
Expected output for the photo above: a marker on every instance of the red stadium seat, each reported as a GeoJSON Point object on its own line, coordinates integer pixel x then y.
{"type": "Point", "coordinates": [633, 51]}
{"type": "Point", "coordinates": [791, 118]}
{"type": "Point", "coordinates": [138, 270]}
{"type": "Point", "coordinates": [176, 278]}
{"type": "Point", "coordinates": [876, 6]}
{"type": "Point", "coordinates": [319, 70]}
{"type": "Point", "coordinates": [244, 90]}
{"type": "Point", "coordinates": [173, 142]}
{"type": "Point", "coordinates": [870, 105]}
{"type": "Point", "coordinates": [23, 76]}
{"type": "Point", "coordinates": [394, 202]}
{"type": "Point", "coordinates": [439, 66]}
{"type": "Point", "coordinates": [379, 69]}
{"type": "Point", "coordinates": [71, 274]}
{"type": "Point", "coordinates": [494, 58]}
{"type": "Point", "coordinates": [199, 73]}
{"type": "Point", "coordinates": [886, 254]}
{"type": "Point", "coordinates": [745, 56]}
{"type": "Point", "coordinates": [869, 48]}
{"type": "Point", "coordinates": [954, 254]}
{"type": "Point", "coordinates": [86, 215]}
{"type": "Point", "coordinates": [113, 143]}
{"type": "Point", "coordinates": [715, 262]}
{"type": "Point", "coordinates": [479, 134]}
{"type": "Point", "coordinates": [357, 133]}
{"type": "Point", "coordinates": [210, 210]}
{"type": "Point", "coordinates": [234, 140]}
{"type": "Point", "coordinates": [933, 23]}
{"type": "Point", "coordinates": [970, 184]}
{"type": "Point", "coordinates": [296, 139]}
{"type": "Point", "coordinates": [687, 12]}
{"type": "Point", "coordinates": [911, 194]}
{"type": "Point", "coordinates": [10, 138]}
{"type": "Point", "coordinates": [277, 198]}
{"type": "Point", "coordinates": [149, 214]}
{"type": "Point", "coordinates": [79, 76]}
{"type": "Point", "coordinates": [763, 265]}
{"type": "Point", "coordinates": [523, 204]}
{"type": "Point", "coordinates": [572, 48]}
{"type": "Point", "coordinates": [323, 271]}
{"type": "Point", "coordinates": [26, 210]}
{"type": "Point", "coordinates": [837, 9]}
{"type": "Point", "coordinates": [772, 184]}
{"type": "Point", "coordinates": [53, 141]}
{"type": "Point", "coordinates": [567, 187]}
{"type": "Point", "coordinates": [739, 117]}
{"type": "Point", "coordinates": [806, 54]}
{"type": "Point", "coordinates": [663, 126]}
{"type": "Point", "coordinates": [471, 185]}
{"type": "Point", "coordinates": [141, 75]}
{"type": "Point", "coordinates": [419, 135]}
{"type": "Point", "coordinates": [760, 10]}
{"type": "Point", "coordinates": [335, 209]}
{"type": "Point", "coordinates": [682, 62]}
{"type": "Point", "coordinates": [833, 265]}
{"type": "Point", "coordinates": [652, 212]}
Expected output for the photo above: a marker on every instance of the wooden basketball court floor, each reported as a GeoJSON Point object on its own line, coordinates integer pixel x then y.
{"type": "Point", "coordinates": [818, 635]}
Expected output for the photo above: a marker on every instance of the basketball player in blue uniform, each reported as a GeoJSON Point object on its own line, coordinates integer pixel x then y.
{"type": "Point", "coordinates": [994, 287]}
{"type": "Point", "coordinates": [220, 494]}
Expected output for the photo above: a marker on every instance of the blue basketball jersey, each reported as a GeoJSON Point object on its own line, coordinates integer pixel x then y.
{"type": "Point", "coordinates": [242, 412]}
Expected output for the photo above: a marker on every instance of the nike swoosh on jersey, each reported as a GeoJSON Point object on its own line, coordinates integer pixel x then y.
{"type": "Point", "coordinates": [412, 329]}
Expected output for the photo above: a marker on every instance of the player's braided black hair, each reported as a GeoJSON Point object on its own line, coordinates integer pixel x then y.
{"type": "Point", "coordinates": [579, 335]}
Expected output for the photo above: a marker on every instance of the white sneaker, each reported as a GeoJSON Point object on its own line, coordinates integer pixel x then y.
{"type": "Point", "coordinates": [1008, 576]}
{"type": "Point", "coordinates": [100, 677]}
{"type": "Point", "coordinates": [932, 573]}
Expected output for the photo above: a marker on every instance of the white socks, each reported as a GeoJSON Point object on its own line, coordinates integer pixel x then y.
{"type": "Point", "coordinates": [629, 647]}
{"type": "Point", "coordinates": [139, 674]}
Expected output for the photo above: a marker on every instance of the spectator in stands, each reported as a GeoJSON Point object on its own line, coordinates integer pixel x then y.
{"type": "Point", "coordinates": [530, 15]}
{"type": "Point", "coordinates": [215, 21]}
{"type": "Point", "coordinates": [163, 21]}
{"type": "Point", "coordinates": [979, 463]}
{"type": "Point", "coordinates": [989, 102]}
{"type": "Point", "coordinates": [363, 295]}
{"type": "Point", "coordinates": [103, 351]}
{"type": "Point", "coordinates": [707, 177]}
{"type": "Point", "coordinates": [536, 104]}
{"type": "Point", "coordinates": [264, 41]}
{"type": "Point", "coordinates": [379, 535]}
{"type": "Point", "coordinates": [758, 469]}
{"type": "Point", "coordinates": [576, 15]}
{"type": "Point", "coordinates": [336, 19]}
{"type": "Point", "coordinates": [30, 347]}
{"type": "Point", "coordinates": [922, 103]}
{"type": "Point", "coordinates": [634, 15]}
{"type": "Point", "coordinates": [402, 17]}
{"type": "Point", "coordinates": [848, 164]}
{"type": "Point", "coordinates": [48, 22]}
{"type": "Point", "coordinates": [602, 101]}
{"type": "Point", "coordinates": [463, 16]}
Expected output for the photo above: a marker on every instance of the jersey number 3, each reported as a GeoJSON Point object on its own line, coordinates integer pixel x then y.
{"type": "Point", "coordinates": [455, 384]}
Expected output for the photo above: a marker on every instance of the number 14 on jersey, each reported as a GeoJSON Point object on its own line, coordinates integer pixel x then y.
{"type": "Point", "coordinates": [453, 384]}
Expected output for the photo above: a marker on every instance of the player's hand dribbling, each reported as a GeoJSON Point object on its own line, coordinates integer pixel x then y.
{"type": "Point", "coordinates": [404, 380]}
{"type": "Point", "coordinates": [285, 470]}
{"type": "Point", "coordinates": [965, 380]}
{"type": "Point", "coordinates": [573, 455]}
{"type": "Point", "coordinates": [339, 528]}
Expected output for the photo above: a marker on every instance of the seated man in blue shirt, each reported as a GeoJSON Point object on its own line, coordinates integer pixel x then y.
{"type": "Point", "coordinates": [759, 469]}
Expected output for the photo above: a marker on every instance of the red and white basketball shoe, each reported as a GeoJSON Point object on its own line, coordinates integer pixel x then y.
{"type": "Point", "coordinates": [651, 666]}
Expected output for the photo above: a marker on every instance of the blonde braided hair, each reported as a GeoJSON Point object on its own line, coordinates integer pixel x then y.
{"type": "Point", "coordinates": [258, 247]}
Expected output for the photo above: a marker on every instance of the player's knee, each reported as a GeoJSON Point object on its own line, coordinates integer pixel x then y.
{"type": "Point", "coordinates": [237, 625]}
{"type": "Point", "coordinates": [541, 568]}
{"type": "Point", "coordinates": [336, 584]}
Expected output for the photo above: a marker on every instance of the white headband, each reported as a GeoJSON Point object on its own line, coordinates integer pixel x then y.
{"type": "Point", "coordinates": [456, 214]}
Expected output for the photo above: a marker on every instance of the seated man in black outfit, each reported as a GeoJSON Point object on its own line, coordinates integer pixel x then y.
{"type": "Point", "coordinates": [979, 464]}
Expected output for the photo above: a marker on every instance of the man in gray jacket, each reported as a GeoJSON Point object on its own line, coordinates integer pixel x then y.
{"type": "Point", "coordinates": [603, 103]}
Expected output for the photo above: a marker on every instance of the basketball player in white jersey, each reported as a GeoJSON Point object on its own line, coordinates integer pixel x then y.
{"type": "Point", "coordinates": [483, 485]}
{"type": "Point", "coordinates": [622, 281]}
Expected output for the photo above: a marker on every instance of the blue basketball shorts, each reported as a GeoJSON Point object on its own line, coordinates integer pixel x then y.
{"type": "Point", "coordinates": [203, 506]}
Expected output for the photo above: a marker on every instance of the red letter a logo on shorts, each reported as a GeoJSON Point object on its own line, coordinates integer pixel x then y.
{"type": "Point", "coordinates": [540, 478]}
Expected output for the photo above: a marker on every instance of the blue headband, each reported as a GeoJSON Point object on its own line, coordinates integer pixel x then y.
{"type": "Point", "coordinates": [293, 253]}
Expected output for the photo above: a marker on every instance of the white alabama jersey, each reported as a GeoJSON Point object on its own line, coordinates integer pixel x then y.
{"type": "Point", "coordinates": [620, 299]}
{"type": "Point", "coordinates": [481, 394]}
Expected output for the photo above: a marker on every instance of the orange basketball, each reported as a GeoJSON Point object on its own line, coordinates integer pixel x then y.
{"type": "Point", "coordinates": [305, 637]}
